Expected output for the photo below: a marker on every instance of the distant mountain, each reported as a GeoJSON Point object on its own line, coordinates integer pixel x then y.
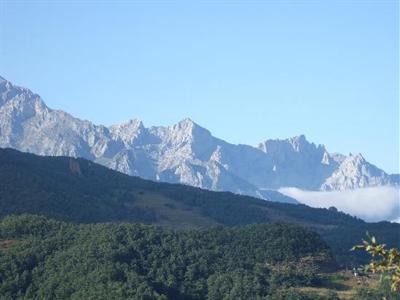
{"type": "Point", "coordinates": [183, 153]}
{"type": "Point", "coordinates": [354, 172]}
{"type": "Point", "coordinates": [81, 191]}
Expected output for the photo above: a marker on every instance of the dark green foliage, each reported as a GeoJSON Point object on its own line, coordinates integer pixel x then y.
{"type": "Point", "coordinates": [51, 186]}
{"type": "Point", "coordinates": [340, 238]}
{"type": "Point", "coordinates": [84, 192]}
{"type": "Point", "coordinates": [120, 261]}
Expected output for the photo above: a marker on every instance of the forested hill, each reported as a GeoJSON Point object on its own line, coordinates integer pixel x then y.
{"type": "Point", "coordinates": [48, 259]}
{"type": "Point", "coordinates": [81, 191]}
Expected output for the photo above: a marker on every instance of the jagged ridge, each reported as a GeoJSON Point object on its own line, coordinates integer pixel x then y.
{"type": "Point", "coordinates": [183, 153]}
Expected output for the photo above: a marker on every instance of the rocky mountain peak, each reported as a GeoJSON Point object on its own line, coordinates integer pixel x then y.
{"type": "Point", "coordinates": [131, 125]}
{"type": "Point", "coordinates": [355, 172]}
{"type": "Point", "coordinates": [129, 132]}
{"type": "Point", "coordinates": [188, 126]}
{"type": "Point", "coordinates": [358, 158]}
{"type": "Point", "coordinates": [354, 162]}
{"type": "Point", "coordinates": [298, 142]}
{"type": "Point", "coordinates": [294, 144]}
{"type": "Point", "coordinates": [187, 131]}
{"type": "Point", "coordinates": [181, 153]}
{"type": "Point", "coordinates": [186, 122]}
{"type": "Point", "coordinates": [19, 96]}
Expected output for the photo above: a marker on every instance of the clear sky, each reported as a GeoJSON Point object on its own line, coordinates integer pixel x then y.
{"type": "Point", "coordinates": [246, 70]}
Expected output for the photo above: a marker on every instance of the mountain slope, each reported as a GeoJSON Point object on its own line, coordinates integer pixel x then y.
{"type": "Point", "coordinates": [48, 259]}
{"type": "Point", "coordinates": [81, 191]}
{"type": "Point", "coordinates": [355, 172]}
{"type": "Point", "coordinates": [183, 153]}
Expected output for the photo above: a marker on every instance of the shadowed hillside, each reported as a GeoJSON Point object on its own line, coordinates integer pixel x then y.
{"type": "Point", "coordinates": [84, 192]}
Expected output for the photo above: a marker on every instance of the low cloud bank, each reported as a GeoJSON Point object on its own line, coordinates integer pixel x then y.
{"type": "Point", "coordinates": [370, 204]}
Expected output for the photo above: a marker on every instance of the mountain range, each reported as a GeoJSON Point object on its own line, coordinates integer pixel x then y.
{"type": "Point", "coordinates": [183, 153]}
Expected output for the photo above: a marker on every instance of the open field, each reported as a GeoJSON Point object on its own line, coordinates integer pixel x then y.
{"type": "Point", "coordinates": [344, 283]}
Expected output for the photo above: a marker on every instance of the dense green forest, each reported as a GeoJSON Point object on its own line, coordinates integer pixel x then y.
{"type": "Point", "coordinates": [48, 259]}
{"type": "Point", "coordinates": [81, 191]}
{"type": "Point", "coordinates": [43, 258]}
{"type": "Point", "coordinates": [106, 235]}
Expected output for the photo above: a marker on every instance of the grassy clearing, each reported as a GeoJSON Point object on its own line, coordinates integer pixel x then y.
{"type": "Point", "coordinates": [7, 244]}
{"type": "Point", "coordinates": [170, 212]}
{"type": "Point", "coordinates": [344, 283]}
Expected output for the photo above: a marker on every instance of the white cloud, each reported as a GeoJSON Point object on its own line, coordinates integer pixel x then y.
{"type": "Point", "coordinates": [396, 220]}
{"type": "Point", "coordinates": [371, 204]}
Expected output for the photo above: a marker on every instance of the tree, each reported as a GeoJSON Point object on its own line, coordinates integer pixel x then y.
{"type": "Point", "coordinates": [387, 264]}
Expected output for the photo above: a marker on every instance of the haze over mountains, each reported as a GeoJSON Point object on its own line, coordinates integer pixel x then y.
{"type": "Point", "coordinates": [183, 153]}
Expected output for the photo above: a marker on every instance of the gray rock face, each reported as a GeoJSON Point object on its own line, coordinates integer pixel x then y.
{"type": "Point", "coordinates": [183, 153]}
{"type": "Point", "coordinates": [356, 172]}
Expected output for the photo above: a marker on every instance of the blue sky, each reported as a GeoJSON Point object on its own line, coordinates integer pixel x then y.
{"type": "Point", "coordinates": [246, 70]}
